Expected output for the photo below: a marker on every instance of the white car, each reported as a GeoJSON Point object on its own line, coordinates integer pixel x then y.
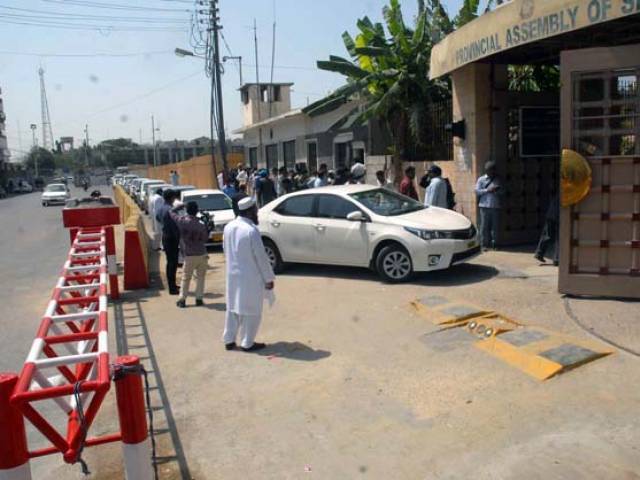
{"type": "Point", "coordinates": [146, 189]}
{"type": "Point", "coordinates": [24, 187]}
{"type": "Point", "coordinates": [365, 226]}
{"type": "Point", "coordinates": [217, 205]}
{"type": "Point", "coordinates": [55, 193]}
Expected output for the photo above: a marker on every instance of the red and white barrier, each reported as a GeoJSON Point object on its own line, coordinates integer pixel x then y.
{"type": "Point", "coordinates": [78, 380]}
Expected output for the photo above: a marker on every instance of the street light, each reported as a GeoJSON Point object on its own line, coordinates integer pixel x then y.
{"type": "Point", "coordinates": [180, 52]}
{"type": "Point", "coordinates": [239, 59]}
{"type": "Point", "coordinates": [35, 144]}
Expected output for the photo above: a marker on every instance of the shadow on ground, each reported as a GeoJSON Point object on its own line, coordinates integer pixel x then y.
{"type": "Point", "coordinates": [463, 274]}
{"type": "Point", "coordinates": [293, 351]}
{"type": "Point", "coordinates": [132, 337]}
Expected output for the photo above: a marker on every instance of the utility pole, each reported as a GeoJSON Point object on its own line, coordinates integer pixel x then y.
{"type": "Point", "coordinates": [36, 154]}
{"type": "Point", "coordinates": [153, 139]}
{"type": "Point", "coordinates": [255, 41]}
{"type": "Point", "coordinates": [216, 78]}
{"type": "Point", "coordinates": [86, 145]}
{"type": "Point", "coordinates": [239, 59]}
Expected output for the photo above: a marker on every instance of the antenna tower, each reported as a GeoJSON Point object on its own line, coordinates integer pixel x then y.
{"type": "Point", "coordinates": [47, 133]}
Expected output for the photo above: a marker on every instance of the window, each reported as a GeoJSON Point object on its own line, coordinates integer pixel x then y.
{"type": "Point", "coordinates": [312, 156]}
{"type": "Point", "coordinates": [263, 93]}
{"type": "Point", "coordinates": [211, 202]}
{"type": "Point", "coordinates": [272, 156]}
{"type": "Point", "coordinates": [289, 154]}
{"type": "Point", "coordinates": [332, 206]}
{"type": "Point", "coordinates": [342, 155]}
{"type": "Point", "coordinates": [253, 157]}
{"type": "Point", "coordinates": [298, 206]}
{"type": "Point", "coordinates": [386, 203]}
{"type": "Point", "coordinates": [276, 93]}
{"type": "Point", "coordinates": [245, 96]}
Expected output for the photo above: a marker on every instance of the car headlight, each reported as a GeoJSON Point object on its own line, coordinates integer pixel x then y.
{"type": "Point", "coordinates": [428, 234]}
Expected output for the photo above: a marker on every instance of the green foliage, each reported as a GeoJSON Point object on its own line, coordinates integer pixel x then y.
{"type": "Point", "coordinates": [388, 72]}
{"type": "Point", "coordinates": [534, 78]}
{"type": "Point", "coordinates": [467, 13]}
{"type": "Point", "coordinates": [46, 160]}
{"type": "Point", "coordinates": [119, 152]}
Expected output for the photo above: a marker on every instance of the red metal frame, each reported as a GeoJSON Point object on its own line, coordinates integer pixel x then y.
{"type": "Point", "coordinates": [79, 302]}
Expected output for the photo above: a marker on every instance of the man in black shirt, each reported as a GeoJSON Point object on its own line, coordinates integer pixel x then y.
{"type": "Point", "coordinates": [170, 238]}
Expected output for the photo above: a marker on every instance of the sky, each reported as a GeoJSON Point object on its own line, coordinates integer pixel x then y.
{"type": "Point", "coordinates": [137, 75]}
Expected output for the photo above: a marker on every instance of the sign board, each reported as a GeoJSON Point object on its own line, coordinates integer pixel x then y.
{"type": "Point", "coordinates": [539, 131]}
{"type": "Point", "coordinates": [518, 23]}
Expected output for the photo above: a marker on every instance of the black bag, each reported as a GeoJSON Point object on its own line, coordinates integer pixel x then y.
{"type": "Point", "coordinates": [451, 196]}
{"type": "Point", "coordinates": [424, 181]}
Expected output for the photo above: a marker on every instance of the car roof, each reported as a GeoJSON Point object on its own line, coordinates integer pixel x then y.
{"type": "Point", "coordinates": [56, 184]}
{"type": "Point", "coordinates": [337, 189]}
{"type": "Point", "coordinates": [152, 180]}
{"type": "Point", "coordinates": [203, 191]}
{"type": "Point", "coordinates": [183, 187]}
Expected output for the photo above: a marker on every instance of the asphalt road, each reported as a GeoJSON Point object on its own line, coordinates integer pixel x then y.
{"type": "Point", "coordinates": [34, 247]}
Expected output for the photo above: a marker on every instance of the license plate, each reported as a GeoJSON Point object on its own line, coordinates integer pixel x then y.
{"type": "Point", "coordinates": [472, 244]}
{"type": "Point", "coordinates": [216, 237]}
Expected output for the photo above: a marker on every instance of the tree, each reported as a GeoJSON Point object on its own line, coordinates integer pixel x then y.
{"type": "Point", "coordinates": [388, 74]}
{"type": "Point", "coordinates": [46, 160]}
{"type": "Point", "coordinates": [119, 152]}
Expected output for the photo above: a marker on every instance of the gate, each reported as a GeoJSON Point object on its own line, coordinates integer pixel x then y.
{"type": "Point", "coordinates": [600, 236]}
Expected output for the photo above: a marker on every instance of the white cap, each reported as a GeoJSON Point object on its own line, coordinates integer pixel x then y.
{"type": "Point", "coordinates": [246, 203]}
{"type": "Point", "coordinates": [358, 170]}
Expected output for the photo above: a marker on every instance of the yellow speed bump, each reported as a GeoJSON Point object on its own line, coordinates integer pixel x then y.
{"type": "Point", "coordinates": [542, 353]}
{"type": "Point", "coordinates": [491, 324]}
{"type": "Point", "coordinates": [441, 311]}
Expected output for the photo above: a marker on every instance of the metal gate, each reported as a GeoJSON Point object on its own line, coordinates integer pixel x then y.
{"type": "Point", "coordinates": [600, 236]}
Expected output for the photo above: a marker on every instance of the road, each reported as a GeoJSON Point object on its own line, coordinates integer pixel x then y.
{"type": "Point", "coordinates": [35, 245]}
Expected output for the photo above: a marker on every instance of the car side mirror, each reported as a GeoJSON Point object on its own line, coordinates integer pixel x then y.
{"type": "Point", "coordinates": [356, 216]}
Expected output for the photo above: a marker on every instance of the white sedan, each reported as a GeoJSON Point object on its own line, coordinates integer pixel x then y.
{"type": "Point", "coordinates": [55, 193]}
{"type": "Point", "coordinates": [217, 205]}
{"type": "Point", "coordinates": [365, 226]}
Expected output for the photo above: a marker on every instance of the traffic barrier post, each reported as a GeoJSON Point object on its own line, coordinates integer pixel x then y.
{"type": "Point", "coordinates": [14, 454]}
{"type": "Point", "coordinates": [136, 444]}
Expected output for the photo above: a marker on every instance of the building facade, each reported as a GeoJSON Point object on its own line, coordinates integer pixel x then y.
{"type": "Point", "coordinates": [594, 111]}
{"type": "Point", "coordinates": [278, 136]}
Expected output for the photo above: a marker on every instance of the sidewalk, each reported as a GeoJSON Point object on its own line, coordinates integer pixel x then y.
{"type": "Point", "coordinates": [354, 384]}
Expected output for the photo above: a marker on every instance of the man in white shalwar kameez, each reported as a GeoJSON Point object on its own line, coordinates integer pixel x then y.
{"type": "Point", "coordinates": [155, 202]}
{"type": "Point", "coordinates": [249, 276]}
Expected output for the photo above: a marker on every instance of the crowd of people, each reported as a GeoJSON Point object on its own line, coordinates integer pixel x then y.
{"type": "Point", "coordinates": [249, 274]}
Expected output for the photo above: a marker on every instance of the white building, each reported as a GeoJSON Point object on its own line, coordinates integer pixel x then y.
{"type": "Point", "coordinates": [274, 135]}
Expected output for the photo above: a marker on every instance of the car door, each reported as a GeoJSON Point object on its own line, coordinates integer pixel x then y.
{"type": "Point", "coordinates": [340, 241]}
{"type": "Point", "coordinates": [291, 228]}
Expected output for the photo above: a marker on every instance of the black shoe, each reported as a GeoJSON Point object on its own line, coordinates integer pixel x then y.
{"type": "Point", "coordinates": [174, 291]}
{"type": "Point", "coordinates": [255, 347]}
{"type": "Point", "coordinates": [181, 303]}
{"type": "Point", "coordinates": [556, 263]}
{"type": "Point", "coordinates": [199, 302]}
{"type": "Point", "coordinates": [230, 346]}
{"type": "Point", "coordinates": [540, 258]}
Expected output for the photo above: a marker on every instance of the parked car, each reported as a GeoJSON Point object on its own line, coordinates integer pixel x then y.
{"type": "Point", "coordinates": [161, 187]}
{"type": "Point", "coordinates": [366, 226]}
{"type": "Point", "coordinates": [146, 188]}
{"type": "Point", "coordinates": [3, 192]}
{"type": "Point", "coordinates": [216, 205]}
{"type": "Point", "coordinates": [55, 193]}
{"type": "Point", "coordinates": [126, 182]}
{"type": "Point", "coordinates": [23, 187]}
{"type": "Point", "coordinates": [134, 187]}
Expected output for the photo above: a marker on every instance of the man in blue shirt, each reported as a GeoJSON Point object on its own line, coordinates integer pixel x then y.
{"type": "Point", "coordinates": [489, 190]}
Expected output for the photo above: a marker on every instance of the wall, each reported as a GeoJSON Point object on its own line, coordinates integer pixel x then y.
{"type": "Point", "coordinates": [198, 171]}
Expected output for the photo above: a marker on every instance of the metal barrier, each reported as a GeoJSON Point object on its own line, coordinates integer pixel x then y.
{"type": "Point", "coordinates": [76, 320]}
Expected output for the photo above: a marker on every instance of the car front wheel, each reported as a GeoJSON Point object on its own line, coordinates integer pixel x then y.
{"type": "Point", "coordinates": [45, 204]}
{"type": "Point", "coordinates": [273, 254]}
{"type": "Point", "coordinates": [394, 264]}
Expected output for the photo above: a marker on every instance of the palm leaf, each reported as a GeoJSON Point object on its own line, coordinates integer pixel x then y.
{"type": "Point", "coordinates": [349, 43]}
{"type": "Point", "coordinates": [346, 69]}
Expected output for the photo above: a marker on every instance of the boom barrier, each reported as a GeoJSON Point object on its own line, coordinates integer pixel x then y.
{"type": "Point", "coordinates": [68, 363]}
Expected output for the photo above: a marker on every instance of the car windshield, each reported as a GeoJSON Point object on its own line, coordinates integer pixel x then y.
{"type": "Point", "coordinates": [210, 202]}
{"type": "Point", "coordinates": [56, 188]}
{"type": "Point", "coordinates": [386, 203]}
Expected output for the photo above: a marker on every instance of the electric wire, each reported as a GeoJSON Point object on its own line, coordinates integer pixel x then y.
{"type": "Point", "coordinates": [83, 17]}
{"type": "Point", "coordinates": [101, 28]}
{"type": "Point", "coordinates": [87, 55]}
{"type": "Point", "coordinates": [113, 6]}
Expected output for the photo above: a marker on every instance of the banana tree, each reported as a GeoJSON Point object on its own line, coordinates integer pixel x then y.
{"type": "Point", "coordinates": [388, 73]}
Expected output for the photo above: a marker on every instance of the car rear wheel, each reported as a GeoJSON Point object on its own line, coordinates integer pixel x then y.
{"type": "Point", "coordinates": [394, 264]}
{"type": "Point", "coordinates": [273, 254]}
{"type": "Point", "coordinates": [45, 204]}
